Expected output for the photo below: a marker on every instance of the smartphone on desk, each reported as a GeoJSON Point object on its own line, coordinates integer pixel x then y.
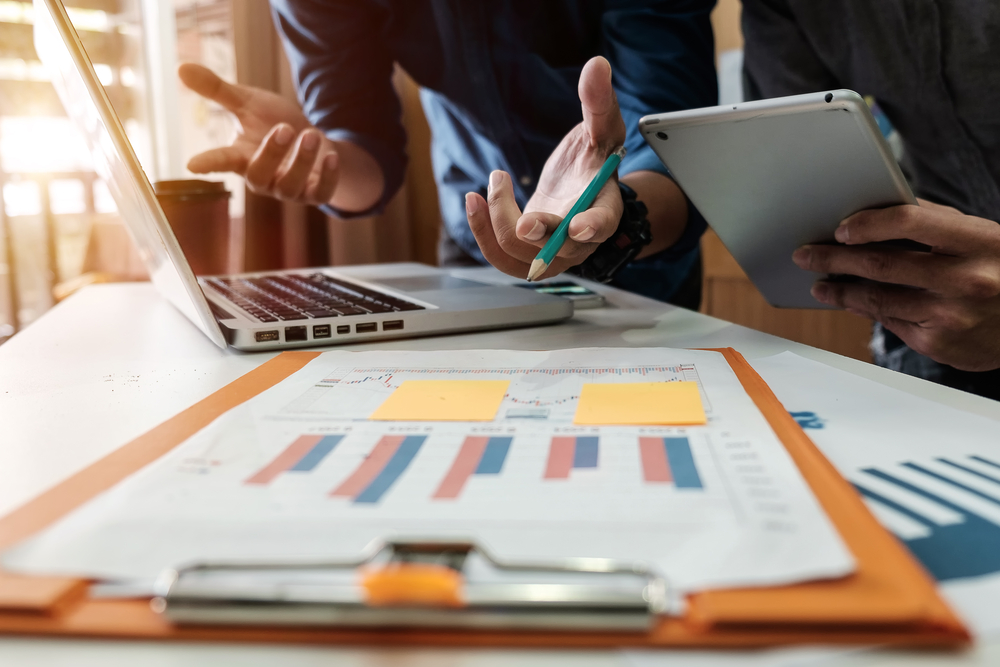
{"type": "Point", "coordinates": [581, 297]}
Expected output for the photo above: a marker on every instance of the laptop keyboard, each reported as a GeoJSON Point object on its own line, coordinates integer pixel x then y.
{"type": "Point", "coordinates": [280, 298]}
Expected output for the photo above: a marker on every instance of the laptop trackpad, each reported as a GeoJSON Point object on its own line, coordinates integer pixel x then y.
{"type": "Point", "coordinates": [427, 283]}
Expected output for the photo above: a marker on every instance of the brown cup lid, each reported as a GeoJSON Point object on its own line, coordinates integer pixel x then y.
{"type": "Point", "coordinates": [190, 189]}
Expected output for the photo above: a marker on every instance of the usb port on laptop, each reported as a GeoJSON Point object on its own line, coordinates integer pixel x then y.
{"type": "Point", "coordinates": [392, 325]}
{"type": "Point", "coordinates": [367, 327]}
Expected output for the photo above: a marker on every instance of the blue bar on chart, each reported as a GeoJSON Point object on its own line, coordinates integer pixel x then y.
{"type": "Point", "coordinates": [568, 452]}
{"type": "Point", "coordinates": [669, 460]}
{"type": "Point", "coordinates": [303, 455]}
{"type": "Point", "coordinates": [319, 451]}
{"type": "Point", "coordinates": [493, 457]}
{"type": "Point", "coordinates": [388, 460]}
{"type": "Point", "coordinates": [585, 455]}
{"type": "Point", "coordinates": [479, 455]}
{"type": "Point", "coordinates": [682, 463]}
{"type": "Point", "coordinates": [946, 511]}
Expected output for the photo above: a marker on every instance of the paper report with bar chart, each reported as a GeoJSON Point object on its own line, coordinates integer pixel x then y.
{"type": "Point", "coordinates": [303, 472]}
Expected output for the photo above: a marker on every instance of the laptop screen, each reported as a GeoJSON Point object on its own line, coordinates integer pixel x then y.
{"type": "Point", "coordinates": [73, 76]}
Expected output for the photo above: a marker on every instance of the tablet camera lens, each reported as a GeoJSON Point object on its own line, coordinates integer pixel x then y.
{"type": "Point", "coordinates": [662, 135]}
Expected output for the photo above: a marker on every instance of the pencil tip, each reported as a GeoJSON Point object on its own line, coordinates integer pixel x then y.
{"type": "Point", "coordinates": [538, 267]}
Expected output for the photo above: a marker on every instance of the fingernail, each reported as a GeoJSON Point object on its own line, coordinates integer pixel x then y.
{"type": "Point", "coordinates": [587, 234]}
{"type": "Point", "coordinates": [821, 292]}
{"type": "Point", "coordinates": [842, 234]}
{"type": "Point", "coordinates": [284, 135]}
{"type": "Point", "coordinates": [536, 232]}
{"type": "Point", "coordinates": [802, 257]}
{"type": "Point", "coordinates": [331, 161]}
{"type": "Point", "coordinates": [471, 204]}
{"type": "Point", "coordinates": [310, 141]}
{"type": "Point", "coordinates": [495, 179]}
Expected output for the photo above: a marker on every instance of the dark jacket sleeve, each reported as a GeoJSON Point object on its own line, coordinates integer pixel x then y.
{"type": "Point", "coordinates": [662, 54]}
{"type": "Point", "coordinates": [778, 59]}
{"type": "Point", "coordinates": [343, 72]}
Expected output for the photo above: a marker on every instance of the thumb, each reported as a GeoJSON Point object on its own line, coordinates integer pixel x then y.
{"type": "Point", "coordinates": [602, 119]}
{"type": "Point", "coordinates": [207, 83]}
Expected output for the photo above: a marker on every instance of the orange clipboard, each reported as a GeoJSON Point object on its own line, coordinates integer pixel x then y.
{"type": "Point", "coordinates": [889, 600]}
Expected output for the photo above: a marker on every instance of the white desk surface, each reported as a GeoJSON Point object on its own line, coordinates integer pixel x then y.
{"type": "Point", "coordinates": [113, 361]}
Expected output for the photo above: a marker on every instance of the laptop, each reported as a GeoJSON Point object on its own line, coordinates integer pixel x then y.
{"type": "Point", "coordinates": [277, 309]}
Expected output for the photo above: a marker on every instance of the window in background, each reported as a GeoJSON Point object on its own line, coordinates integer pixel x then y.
{"type": "Point", "coordinates": [51, 197]}
{"type": "Point", "coordinates": [205, 36]}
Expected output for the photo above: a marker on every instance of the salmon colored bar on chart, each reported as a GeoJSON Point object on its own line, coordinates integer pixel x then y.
{"type": "Point", "coordinates": [561, 453]}
{"type": "Point", "coordinates": [653, 454]}
{"type": "Point", "coordinates": [464, 466]}
{"type": "Point", "coordinates": [285, 460]}
{"type": "Point", "coordinates": [371, 467]}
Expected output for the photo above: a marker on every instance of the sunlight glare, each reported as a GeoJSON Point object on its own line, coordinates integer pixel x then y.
{"type": "Point", "coordinates": [41, 144]}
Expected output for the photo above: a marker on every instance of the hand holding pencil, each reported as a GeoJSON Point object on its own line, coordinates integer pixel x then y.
{"type": "Point", "coordinates": [558, 238]}
{"type": "Point", "coordinates": [510, 240]}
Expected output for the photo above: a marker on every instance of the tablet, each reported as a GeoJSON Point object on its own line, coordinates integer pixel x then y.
{"type": "Point", "coordinates": [772, 175]}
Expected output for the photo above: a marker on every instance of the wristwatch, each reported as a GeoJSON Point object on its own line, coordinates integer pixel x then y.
{"type": "Point", "coordinates": [632, 236]}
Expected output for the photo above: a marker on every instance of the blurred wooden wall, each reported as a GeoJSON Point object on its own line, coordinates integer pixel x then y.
{"type": "Point", "coordinates": [728, 294]}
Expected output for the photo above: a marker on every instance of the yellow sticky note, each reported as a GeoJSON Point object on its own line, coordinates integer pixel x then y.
{"type": "Point", "coordinates": [443, 400]}
{"type": "Point", "coordinates": [640, 404]}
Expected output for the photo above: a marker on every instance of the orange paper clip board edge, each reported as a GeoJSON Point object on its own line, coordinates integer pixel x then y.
{"type": "Point", "coordinates": [74, 491]}
{"type": "Point", "coordinates": [908, 610]}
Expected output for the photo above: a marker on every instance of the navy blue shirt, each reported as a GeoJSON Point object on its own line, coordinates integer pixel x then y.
{"type": "Point", "coordinates": [499, 85]}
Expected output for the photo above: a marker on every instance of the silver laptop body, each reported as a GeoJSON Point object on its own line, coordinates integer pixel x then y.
{"type": "Point", "coordinates": [293, 308]}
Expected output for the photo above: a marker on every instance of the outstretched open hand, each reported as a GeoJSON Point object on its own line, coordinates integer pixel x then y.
{"type": "Point", "coordinates": [509, 239]}
{"type": "Point", "coordinates": [278, 151]}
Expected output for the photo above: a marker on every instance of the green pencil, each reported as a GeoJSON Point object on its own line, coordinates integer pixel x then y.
{"type": "Point", "coordinates": [558, 238]}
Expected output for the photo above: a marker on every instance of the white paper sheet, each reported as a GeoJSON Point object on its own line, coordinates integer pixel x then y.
{"type": "Point", "coordinates": [736, 513]}
{"type": "Point", "coordinates": [930, 473]}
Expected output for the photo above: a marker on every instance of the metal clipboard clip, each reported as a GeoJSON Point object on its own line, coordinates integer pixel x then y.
{"type": "Point", "coordinates": [418, 583]}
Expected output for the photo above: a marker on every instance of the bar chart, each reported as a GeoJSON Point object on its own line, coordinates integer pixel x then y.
{"type": "Point", "coordinates": [303, 455]}
{"type": "Point", "coordinates": [669, 460]}
{"type": "Point", "coordinates": [567, 453]}
{"type": "Point", "coordinates": [479, 455]}
{"type": "Point", "coordinates": [386, 463]}
{"type": "Point", "coordinates": [946, 510]}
